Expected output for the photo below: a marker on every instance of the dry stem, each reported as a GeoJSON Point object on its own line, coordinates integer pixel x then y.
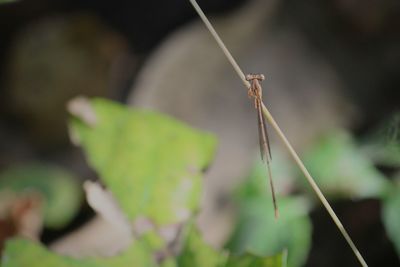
{"type": "Point", "coordinates": [282, 136]}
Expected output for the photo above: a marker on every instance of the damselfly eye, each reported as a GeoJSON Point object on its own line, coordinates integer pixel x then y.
{"type": "Point", "coordinates": [248, 77]}
{"type": "Point", "coordinates": [262, 77]}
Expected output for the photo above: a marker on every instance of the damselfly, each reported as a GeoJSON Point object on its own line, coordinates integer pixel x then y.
{"type": "Point", "coordinates": [255, 91]}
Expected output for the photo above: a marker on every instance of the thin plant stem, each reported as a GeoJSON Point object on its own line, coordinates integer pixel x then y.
{"type": "Point", "coordinates": [313, 184]}
{"type": "Point", "coordinates": [220, 43]}
{"type": "Point", "coordinates": [283, 138]}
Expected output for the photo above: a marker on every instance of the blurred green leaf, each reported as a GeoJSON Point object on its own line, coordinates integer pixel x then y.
{"type": "Point", "coordinates": [257, 231]}
{"type": "Point", "coordinates": [249, 260]}
{"type": "Point", "coordinates": [260, 233]}
{"type": "Point", "coordinates": [25, 253]}
{"type": "Point", "coordinates": [151, 162]}
{"type": "Point", "coordinates": [383, 143]}
{"type": "Point", "coordinates": [196, 253]}
{"type": "Point", "coordinates": [60, 189]}
{"type": "Point", "coordinates": [391, 216]}
{"type": "Point", "coordinates": [341, 170]}
{"type": "Point", "coordinates": [257, 184]}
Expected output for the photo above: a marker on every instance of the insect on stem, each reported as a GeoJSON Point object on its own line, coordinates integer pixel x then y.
{"type": "Point", "coordinates": [281, 135]}
{"type": "Point", "coordinates": [255, 91]}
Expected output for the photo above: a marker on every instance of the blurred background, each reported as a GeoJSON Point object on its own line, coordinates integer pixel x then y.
{"type": "Point", "coordinates": [332, 68]}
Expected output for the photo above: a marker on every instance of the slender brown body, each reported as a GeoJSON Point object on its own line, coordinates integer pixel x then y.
{"type": "Point", "coordinates": [255, 91]}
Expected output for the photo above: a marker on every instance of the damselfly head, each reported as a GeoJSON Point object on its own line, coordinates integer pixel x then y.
{"type": "Point", "coordinates": [259, 77]}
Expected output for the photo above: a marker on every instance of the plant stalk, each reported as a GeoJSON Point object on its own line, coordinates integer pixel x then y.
{"type": "Point", "coordinates": [282, 137]}
{"type": "Point", "coordinates": [313, 185]}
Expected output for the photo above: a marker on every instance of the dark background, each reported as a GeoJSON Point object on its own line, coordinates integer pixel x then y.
{"type": "Point", "coordinates": [361, 40]}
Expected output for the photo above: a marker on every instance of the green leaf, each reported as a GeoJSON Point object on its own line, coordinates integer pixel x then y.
{"type": "Point", "coordinates": [391, 216]}
{"type": "Point", "coordinates": [60, 189]}
{"type": "Point", "coordinates": [25, 253]}
{"type": "Point", "coordinates": [283, 173]}
{"type": "Point", "coordinates": [383, 143]}
{"type": "Point", "coordinates": [250, 260]}
{"type": "Point", "coordinates": [260, 233]}
{"type": "Point", "coordinates": [151, 162]}
{"type": "Point", "coordinates": [341, 170]}
{"type": "Point", "coordinates": [196, 253]}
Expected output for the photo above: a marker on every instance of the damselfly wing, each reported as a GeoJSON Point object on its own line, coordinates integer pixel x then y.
{"type": "Point", "coordinates": [255, 91]}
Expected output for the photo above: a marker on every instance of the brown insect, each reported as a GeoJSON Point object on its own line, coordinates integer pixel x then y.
{"type": "Point", "coordinates": [255, 91]}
